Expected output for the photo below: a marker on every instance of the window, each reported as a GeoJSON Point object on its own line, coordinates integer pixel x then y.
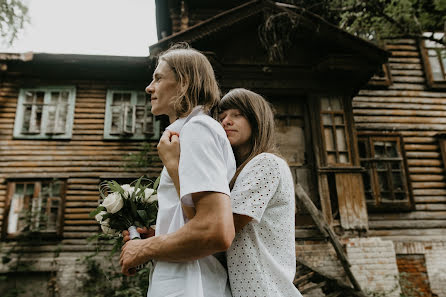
{"type": "Point", "coordinates": [382, 76]}
{"type": "Point", "coordinates": [35, 206]}
{"type": "Point", "coordinates": [128, 116]}
{"type": "Point", "coordinates": [385, 179]}
{"type": "Point", "coordinates": [434, 56]}
{"type": "Point", "coordinates": [44, 113]}
{"type": "Point", "coordinates": [334, 131]}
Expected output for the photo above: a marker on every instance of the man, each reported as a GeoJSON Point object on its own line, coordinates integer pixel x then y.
{"type": "Point", "coordinates": [185, 89]}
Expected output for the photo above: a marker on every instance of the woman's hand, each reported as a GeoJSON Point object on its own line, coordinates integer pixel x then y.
{"type": "Point", "coordinates": [169, 150]}
{"type": "Point", "coordinates": [169, 153]}
{"type": "Point", "coordinates": [145, 233]}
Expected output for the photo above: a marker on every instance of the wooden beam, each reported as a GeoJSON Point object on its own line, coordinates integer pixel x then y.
{"type": "Point", "coordinates": [328, 232]}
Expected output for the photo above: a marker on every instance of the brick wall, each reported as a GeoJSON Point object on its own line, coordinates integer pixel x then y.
{"type": "Point", "coordinates": [413, 275]}
{"type": "Point", "coordinates": [373, 262]}
{"type": "Point", "coordinates": [435, 258]}
{"type": "Point", "coordinates": [436, 267]}
{"type": "Point", "coordinates": [320, 255]}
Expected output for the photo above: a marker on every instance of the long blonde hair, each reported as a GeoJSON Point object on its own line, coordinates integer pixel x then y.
{"type": "Point", "coordinates": [195, 76]}
{"type": "Point", "coordinates": [260, 116]}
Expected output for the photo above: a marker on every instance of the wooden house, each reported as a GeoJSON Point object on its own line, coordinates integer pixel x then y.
{"type": "Point", "coordinates": [360, 125]}
{"type": "Point", "coordinates": [67, 124]}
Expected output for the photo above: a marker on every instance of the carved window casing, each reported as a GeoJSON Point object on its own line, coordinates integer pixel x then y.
{"type": "Point", "coordinates": [34, 206]}
{"type": "Point", "coordinates": [128, 116]}
{"type": "Point", "coordinates": [335, 134]}
{"type": "Point", "coordinates": [434, 58]}
{"type": "Point", "coordinates": [385, 179]}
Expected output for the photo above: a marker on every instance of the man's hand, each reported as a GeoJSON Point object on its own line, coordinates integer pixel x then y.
{"type": "Point", "coordinates": [133, 254]}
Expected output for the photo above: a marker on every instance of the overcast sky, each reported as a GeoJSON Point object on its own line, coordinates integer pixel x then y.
{"type": "Point", "coordinates": [103, 27]}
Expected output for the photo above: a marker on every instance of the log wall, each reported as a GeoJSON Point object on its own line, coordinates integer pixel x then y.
{"type": "Point", "coordinates": [82, 161]}
{"type": "Point", "coordinates": [408, 107]}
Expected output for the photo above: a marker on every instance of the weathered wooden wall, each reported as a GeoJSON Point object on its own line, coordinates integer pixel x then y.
{"type": "Point", "coordinates": [83, 160]}
{"type": "Point", "coordinates": [408, 107]}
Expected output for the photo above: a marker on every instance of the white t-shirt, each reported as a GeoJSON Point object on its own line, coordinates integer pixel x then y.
{"type": "Point", "coordinates": [206, 164]}
{"type": "Point", "coordinates": [261, 259]}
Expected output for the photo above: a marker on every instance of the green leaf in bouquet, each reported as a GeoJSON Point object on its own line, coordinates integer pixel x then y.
{"type": "Point", "coordinates": [138, 182]}
{"type": "Point", "coordinates": [157, 182]}
{"type": "Point", "coordinates": [133, 209]}
{"type": "Point", "coordinates": [144, 217]}
{"type": "Point", "coordinates": [115, 187]}
{"type": "Point", "coordinates": [98, 209]}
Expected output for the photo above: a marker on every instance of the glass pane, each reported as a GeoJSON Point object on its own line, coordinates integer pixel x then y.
{"type": "Point", "coordinates": [57, 112]}
{"type": "Point", "coordinates": [362, 146]}
{"type": "Point", "coordinates": [32, 116]}
{"type": "Point", "coordinates": [52, 214]}
{"type": "Point", "coordinates": [141, 99]}
{"type": "Point", "coordinates": [443, 60]}
{"type": "Point", "coordinates": [117, 119]}
{"type": "Point", "coordinates": [327, 119]}
{"type": "Point", "coordinates": [129, 118]}
{"type": "Point", "coordinates": [343, 158]}
{"type": "Point", "coordinates": [339, 120]}
{"type": "Point", "coordinates": [391, 150]}
{"type": "Point", "coordinates": [331, 158]}
{"type": "Point", "coordinates": [329, 139]}
{"type": "Point", "coordinates": [331, 104]}
{"type": "Point", "coordinates": [340, 139]}
{"type": "Point", "coordinates": [379, 147]}
{"type": "Point", "coordinates": [434, 62]}
{"type": "Point", "coordinates": [29, 190]}
{"type": "Point", "coordinates": [120, 98]}
{"type": "Point", "coordinates": [336, 103]}
{"type": "Point", "coordinates": [325, 104]}
{"type": "Point", "coordinates": [401, 197]}
{"type": "Point", "coordinates": [397, 181]}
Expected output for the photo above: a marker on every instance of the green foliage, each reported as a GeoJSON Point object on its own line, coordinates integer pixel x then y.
{"type": "Point", "coordinates": [407, 289]}
{"type": "Point", "coordinates": [142, 159]}
{"type": "Point", "coordinates": [13, 17]}
{"type": "Point", "coordinates": [378, 19]}
{"type": "Point", "coordinates": [106, 279]}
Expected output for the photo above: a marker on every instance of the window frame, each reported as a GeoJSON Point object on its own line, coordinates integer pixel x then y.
{"type": "Point", "coordinates": [434, 84]}
{"type": "Point", "coordinates": [378, 206]}
{"type": "Point", "coordinates": [382, 81]}
{"type": "Point", "coordinates": [348, 138]}
{"type": "Point", "coordinates": [11, 186]}
{"type": "Point", "coordinates": [20, 112]}
{"type": "Point", "coordinates": [109, 116]}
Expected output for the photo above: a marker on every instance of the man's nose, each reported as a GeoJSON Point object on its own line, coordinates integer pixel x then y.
{"type": "Point", "coordinates": [149, 89]}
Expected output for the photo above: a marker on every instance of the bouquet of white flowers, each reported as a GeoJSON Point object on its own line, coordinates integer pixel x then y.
{"type": "Point", "coordinates": [125, 207]}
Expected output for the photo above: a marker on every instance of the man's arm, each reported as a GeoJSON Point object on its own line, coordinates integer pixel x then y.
{"type": "Point", "coordinates": [211, 230]}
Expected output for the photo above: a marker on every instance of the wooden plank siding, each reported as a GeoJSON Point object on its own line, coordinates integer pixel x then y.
{"type": "Point", "coordinates": [409, 108]}
{"type": "Point", "coordinates": [82, 161]}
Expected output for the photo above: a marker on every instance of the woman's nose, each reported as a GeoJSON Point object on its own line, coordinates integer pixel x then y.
{"type": "Point", "coordinates": [226, 122]}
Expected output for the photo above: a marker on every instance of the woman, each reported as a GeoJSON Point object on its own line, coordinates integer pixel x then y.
{"type": "Point", "coordinates": [261, 260]}
{"type": "Point", "coordinates": [185, 89]}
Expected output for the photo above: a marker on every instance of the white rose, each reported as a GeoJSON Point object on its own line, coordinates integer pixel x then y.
{"type": "Point", "coordinates": [128, 190]}
{"type": "Point", "coordinates": [113, 202]}
{"type": "Point", "coordinates": [106, 227]}
{"type": "Point", "coordinates": [99, 216]}
{"type": "Point", "coordinates": [152, 198]}
{"type": "Point", "coordinates": [148, 195]}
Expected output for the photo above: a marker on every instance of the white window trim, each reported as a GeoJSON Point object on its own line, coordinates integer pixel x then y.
{"type": "Point", "coordinates": [108, 118]}
{"type": "Point", "coordinates": [43, 135]}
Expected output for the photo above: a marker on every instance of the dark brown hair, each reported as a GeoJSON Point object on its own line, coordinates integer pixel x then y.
{"type": "Point", "coordinates": [260, 116]}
